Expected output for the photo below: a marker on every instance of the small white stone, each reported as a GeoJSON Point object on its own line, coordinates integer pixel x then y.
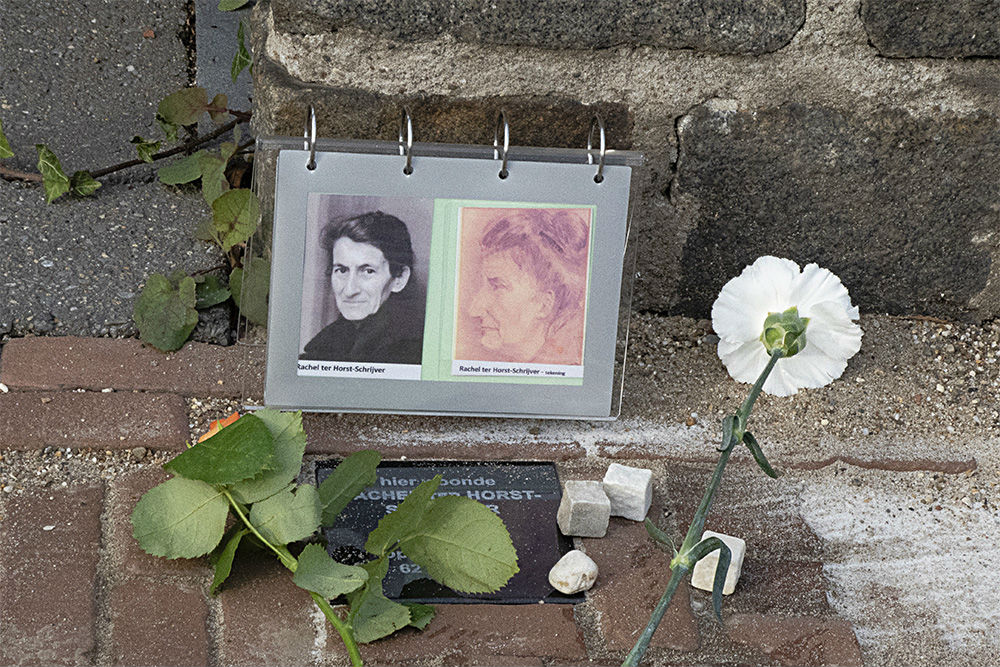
{"type": "Point", "coordinates": [584, 510]}
{"type": "Point", "coordinates": [630, 491]}
{"type": "Point", "coordinates": [48, 528]}
{"type": "Point", "coordinates": [3, 388]}
{"type": "Point", "coordinates": [703, 575]}
{"type": "Point", "coordinates": [575, 572]}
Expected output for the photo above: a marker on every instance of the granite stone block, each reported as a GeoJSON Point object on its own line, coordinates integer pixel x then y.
{"type": "Point", "coordinates": [630, 491]}
{"type": "Point", "coordinates": [584, 510]}
{"type": "Point", "coordinates": [703, 574]}
{"type": "Point", "coordinates": [952, 29]}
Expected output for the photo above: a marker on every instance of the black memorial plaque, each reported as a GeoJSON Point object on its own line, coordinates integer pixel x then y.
{"type": "Point", "coordinates": [524, 494]}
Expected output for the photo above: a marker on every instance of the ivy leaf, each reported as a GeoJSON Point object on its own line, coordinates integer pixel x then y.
{"type": "Point", "coordinates": [183, 107]}
{"type": "Point", "coordinates": [230, 5]}
{"type": "Point", "coordinates": [180, 518]}
{"type": "Point", "coordinates": [183, 171]}
{"type": "Point", "coordinates": [237, 452]}
{"type": "Point", "coordinates": [54, 179]}
{"type": "Point", "coordinates": [400, 524]}
{"type": "Point", "coordinates": [242, 57]}
{"type": "Point", "coordinates": [206, 232]}
{"type": "Point", "coordinates": [82, 184]}
{"type": "Point", "coordinates": [169, 129]}
{"type": "Point", "coordinates": [5, 150]}
{"type": "Point", "coordinates": [228, 148]}
{"type": "Point", "coordinates": [420, 614]}
{"type": "Point", "coordinates": [164, 314]}
{"type": "Point", "coordinates": [210, 292]}
{"type": "Point", "coordinates": [218, 110]}
{"type": "Point", "coordinates": [213, 177]}
{"type": "Point", "coordinates": [222, 559]}
{"type": "Point", "coordinates": [250, 287]}
{"type": "Point", "coordinates": [463, 545]}
{"type": "Point", "coordinates": [319, 573]}
{"type": "Point", "coordinates": [286, 516]}
{"type": "Point", "coordinates": [145, 148]}
{"type": "Point", "coordinates": [372, 614]}
{"type": "Point", "coordinates": [235, 215]}
{"type": "Point", "coordinates": [346, 481]}
{"type": "Point", "coordinates": [289, 446]}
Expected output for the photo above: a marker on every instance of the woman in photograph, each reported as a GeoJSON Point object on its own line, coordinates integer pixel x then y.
{"type": "Point", "coordinates": [371, 260]}
{"type": "Point", "coordinates": [529, 305]}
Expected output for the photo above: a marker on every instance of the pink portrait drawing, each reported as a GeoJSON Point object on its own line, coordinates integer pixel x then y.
{"type": "Point", "coordinates": [522, 285]}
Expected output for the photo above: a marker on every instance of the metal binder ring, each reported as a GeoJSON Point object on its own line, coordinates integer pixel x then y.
{"type": "Point", "coordinates": [310, 138]}
{"type": "Point", "coordinates": [406, 147]}
{"type": "Point", "coordinates": [599, 123]}
{"type": "Point", "coordinates": [501, 153]}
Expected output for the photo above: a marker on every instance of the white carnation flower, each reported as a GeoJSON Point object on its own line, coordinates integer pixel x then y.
{"type": "Point", "coordinates": [772, 286]}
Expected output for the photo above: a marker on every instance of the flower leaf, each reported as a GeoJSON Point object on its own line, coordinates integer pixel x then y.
{"type": "Point", "coordinates": [402, 523]}
{"type": "Point", "coordinates": [346, 481]}
{"type": "Point", "coordinates": [180, 518]}
{"type": "Point", "coordinates": [145, 148]}
{"type": "Point", "coordinates": [319, 573]}
{"type": "Point", "coordinates": [250, 287]}
{"type": "Point", "coordinates": [183, 171]}
{"type": "Point", "coordinates": [230, 5]}
{"type": "Point", "coordinates": [82, 184]}
{"type": "Point", "coordinates": [5, 150]}
{"type": "Point", "coordinates": [287, 516]}
{"type": "Point", "coordinates": [237, 452]}
{"type": "Point", "coordinates": [213, 177]}
{"type": "Point", "coordinates": [164, 314]}
{"type": "Point", "coordinates": [183, 107]}
{"type": "Point", "coordinates": [463, 545]}
{"type": "Point", "coordinates": [218, 110]}
{"type": "Point", "coordinates": [54, 179]}
{"type": "Point", "coordinates": [420, 614]}
{"type": "Point", "coordinates": [210, 292]}
{"type": "Point", "coordinates": [373, 615]}
{"type": "Point", "coordinates": [222, 558]}
{"type": "Point", "coordinates": [728, 426]}
{"type": "Point", "coordinates": [289, 446]}
{"type": "Point", "coordinates": [758, 456]}
{"type": "Point", "coordinates": [702, 549]}
{"type": "Point", "coordinates": [658, 535]}
{"type": "Point", "coordinates": [235, 215]}
{"type": "Point", "coordinates": [242, 57]}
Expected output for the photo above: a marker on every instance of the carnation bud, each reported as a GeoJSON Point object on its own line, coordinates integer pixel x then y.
{"type": "Point", "coordinates": [785, 331]}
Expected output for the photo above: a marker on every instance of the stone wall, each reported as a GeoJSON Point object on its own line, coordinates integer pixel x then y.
{"type": "Point", "coordinates": [860, 134]}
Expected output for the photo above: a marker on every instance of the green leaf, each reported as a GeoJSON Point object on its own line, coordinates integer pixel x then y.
{"type": "Point", "coordinates": [227, 148]}
{"type": "Point", "coordinates": [237, 452]}
{"type": "Point", "coordinates": [213, 178]}
{"type": "Point", "coordinates": [346, 481]}
{"type": "Point", "coordinates": [289, 446]}
{"type": "Point", "coordinates": [169, 129]}
{"type": "Point", "coordinates": [373, 615]}
{"type": "Point", "coordinates": [145, 148]}
{"type": "Point", "coordinates": [165, 315]}
{"type": "Point", "coordinates": [183, 171]}
{"type": "Point", "coordinates": [206, 232]}
{"type": "Point", "coordinates": [420, 614]}
{"type": "Point", "coordinates": [658, 535]}
{"type": "Point", "coordinates": [5, 150]}
{"type": "Point", "coordinates": [82, 184]}
{"type": "Point", "coordinates": [180, 518]}
{"type": "Point", "coordinates": [54, 179]}
{"type": "Point", "coordinates": [242, 57]}
{"type": "Point", "coordinates": [222, 558]}
{"type": "Point", "coordinates": [319, 573]}
{"type": "Point", "coordinates": [463, 545]}
{"type": "Point", "coordinates": [210, 292]}
{"type": "Point", "coordinates": [728, 426]}
{"type": "Point", "coordinates": [250, 288]}
{"type": "Point", "coordinates": [404, 521]}
{"type": "Point", "coordinates": [235, 215]}
{"type": "Point", "coordinates": [286, 516]}
{"type": "Point", "coordinates": [218, 110]}
{"type": "Point", "coordinates": [183, 107]}
{"type": "Point", "coordinates": [702, 549]}
{"type": "Point", "coordinates": [230, 5]}
{"type": "Point", "coordinates": [758, 456]}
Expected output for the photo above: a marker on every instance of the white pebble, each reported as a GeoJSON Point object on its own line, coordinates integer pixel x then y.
{"type": "Point", "coordinates": [703, 574]}
{"type": "Point", "coordinates": [48, 528]}
{"type": "Point", "coordinates": [630, 491]}
{"type": "Point", "coordinates": [575, 572]}
{"type": "Point", "coordinates": [3, 388]}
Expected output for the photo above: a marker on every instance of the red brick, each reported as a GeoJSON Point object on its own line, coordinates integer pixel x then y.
{"type": "Point", "coordinates": [481, 634]}
{"type": "Point", "coordinates": [798, 640]}
{"type": "Point", "coordinates": [777, 587]}
{"type": "Point", "coordinates": [126, 554]}
{"type": "Point", "coordinates": [197, 369]}
{"type": "Point", "coordinates": [117, 420]}
{"type": "Point", "coordinates": [341, 435]}
{"type": "Point", "coordinates": [156, 623]}
{"type": "Point", "coordinates": [632, 575]}
{"type": "Point", "coordinates": [895, 465]}
{"type": "Point", "coordinates": [48, 588]}
{"type": "Point", "coordinates": [267, 620]}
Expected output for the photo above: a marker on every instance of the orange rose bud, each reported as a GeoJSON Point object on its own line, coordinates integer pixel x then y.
{"type": "Point", "coordinates": [218, 425]}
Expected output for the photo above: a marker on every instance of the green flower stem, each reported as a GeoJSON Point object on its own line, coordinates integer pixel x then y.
{"type": "Point", "coordinates": [682, 562]}
{"type": "Point", "coordinates": [292, 564]}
